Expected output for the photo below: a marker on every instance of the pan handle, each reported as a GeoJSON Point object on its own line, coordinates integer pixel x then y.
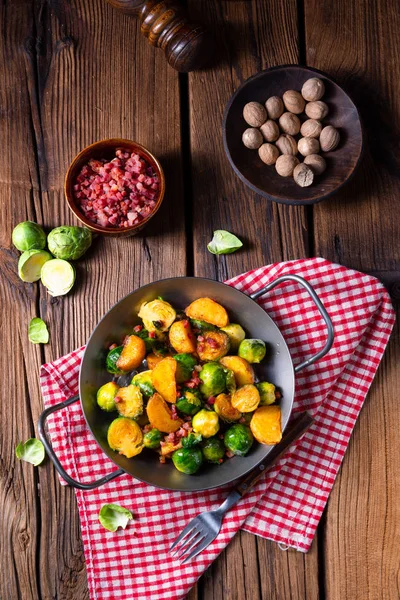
{"type": "Point", "coordinates": [319, 305]}
{"type": "Point", "coordinates": [54, 458]}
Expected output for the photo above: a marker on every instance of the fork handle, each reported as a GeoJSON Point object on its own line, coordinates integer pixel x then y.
{"type": "Point", "coordinates": [294, 433]}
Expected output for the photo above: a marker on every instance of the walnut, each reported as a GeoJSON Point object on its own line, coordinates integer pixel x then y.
{"type": "Point", "coordinates": [303, 175]}
{"type": "Point", "coordinates": [287, 144]}
{"type": "Point", "coordinates": [252, 138]}
{"type": "Point", "coordinates": [274, 106]}
{"type": "Point", "coordinates": [316, 110]}
{"type": "Point", "coordinates": [285, 165]}
{"type": "Point", "coordinates": [313, 89]}
{"type": "Point", "coordinates": [254, 114]}
{"type": "Point", "coordinates": [270, 131]}
{"type": "Point", "coordinates": [289, 123]}
{"type": "Point", "coordinates": [268, 153]}
{"type": "Point", "coordinates": [311, 128]}
{"type": "Point", "coordinates": [294, 102]}
{"type": "Point", "coordinates": [308, 145]}
{"type": "Point", "coordinates": [316, 162]}
{"type": "Point", "coordinates": [329, 138]}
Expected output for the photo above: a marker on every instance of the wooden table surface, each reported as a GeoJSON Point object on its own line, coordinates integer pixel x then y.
{"type": "Point", "coordinates": [75, 71]}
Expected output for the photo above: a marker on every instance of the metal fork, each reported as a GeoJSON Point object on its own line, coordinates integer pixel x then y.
{"type": "Point", "coordinates": [203, 529]}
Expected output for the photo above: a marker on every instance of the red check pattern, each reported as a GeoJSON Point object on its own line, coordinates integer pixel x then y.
{"type": "Point", "coordinates": [286, 506]}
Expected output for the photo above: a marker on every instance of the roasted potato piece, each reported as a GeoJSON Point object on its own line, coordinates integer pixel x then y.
{"type": "Point", "coordinates": [157, 315]}
{"type": "Point", "coordinates": [160, 415]}
{"type": "Point", "coordinates": [205, 309]}
{"type": "Point", "coordinates": [163, 378]}
{"type": "Point", "coordinates": [243, 371]}
{"type": "Point", "coordinates": [214, 346]}
{"type": "Point", "coordinates": [246, 398]}
{"type": "Point", "coordinates": [125, 436]}
{"type": "Point", "coordinates": [132, 354]}
{"type": "Point", "coordinates": [181, 337]}
{"type": "Point", "coordinates": [168, 448]}
{"type": "Point", "coordinates": [224, 409]}
{"type": "Point", "coordinates": [153, 360]}
{"type": "Point", "coordinates": [266, 426]}
{"type": "Point", "coordinates": [129, 401]}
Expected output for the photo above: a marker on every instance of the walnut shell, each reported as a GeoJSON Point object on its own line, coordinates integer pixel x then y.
{"type": "Point", "coordinates": [294, 102]}
{"type": "Point", "coordinates": [274, 106]}
{"type": "Point", "coordinates": [316, 162]}
{"type": "Point", "coordinates": [270, 131]}
{"type": "Point", "coordinates": [285, 165]}
{"type": "Point", "coordinates": [252, 138]}
{"type": "Point", "coordinates": [268, 153]}
{"type": "Point", "coordinates": [316, 110]}
{"type": "Point", "coordinates": [303, 175]}
{"type": "Point", "coordinates": [254, 114]}
{"type": "Point", "coordinates": [313, 89]}
{"type": "Point", "coordinates": [329, 138]}
{"type": "Point", "coordinates": [286, 144]}
{"type": "Point", "coordinates": [289, 123]}
{"type": "Point", "coordinates": [311, 128]}
{"type": "Point", "coordinates": [308, 146]}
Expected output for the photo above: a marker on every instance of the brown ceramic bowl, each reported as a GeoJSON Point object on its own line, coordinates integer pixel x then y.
{"type": "Point", "coordinates": [263, 179]}
{"type": "Point", "coordinates": [106, 149]}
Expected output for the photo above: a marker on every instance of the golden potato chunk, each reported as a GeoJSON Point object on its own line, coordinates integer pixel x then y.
{"type": "Point", "coordinates": [224, 409]}
{"type": "Point", "coordinates": [181, 337]}
{"type": "Point", "coordinates": [132, 354]}
{"type": "Point", "coordinates": [242, 370]}
{"type": "Point", "coordinates": [266, 425]}
{"type": "Point", "coordinates": [205, 309]}
{"type": "Point", "coordinates": [163, 378]}
{"type": "Point", "coordinates": [246, 398]}
{"type": "Point", "coordinates": [160, 415]}
{"type": "Point", "coordinates": [214, 345]}
{"type": "Point", "coordinates": [153, 360]}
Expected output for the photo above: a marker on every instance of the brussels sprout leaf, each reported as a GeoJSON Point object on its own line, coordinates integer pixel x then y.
{"type": "Point", "coordinates": [224, 242]}
{"type": "Point", "coordinates": [37, 332]}
{"type": "Point", "coordinates": [112, 516]}
{"type": "Point", "coordinates": [32, 451]}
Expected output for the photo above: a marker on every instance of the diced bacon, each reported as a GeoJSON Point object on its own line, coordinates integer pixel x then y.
{"type": "Point", "coordinates": [229, 454]}
{"type": "Point", "coordinates": [212, 343]}
{"type": "Point", "coordinates": [112, 346]}
{"type": "Point", "coordinates": [138, 328]}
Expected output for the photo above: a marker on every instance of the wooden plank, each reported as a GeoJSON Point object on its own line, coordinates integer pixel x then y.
{"type": "Point", "coordinates": [250, 36]}
{"type": "Point", "coordinates": [360, 228]}
{"type": "Point", "coordinates": [73, 73]}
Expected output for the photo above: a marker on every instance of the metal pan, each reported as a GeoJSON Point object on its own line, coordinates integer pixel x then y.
{"type": "Point", "coordinates": [180, 291]}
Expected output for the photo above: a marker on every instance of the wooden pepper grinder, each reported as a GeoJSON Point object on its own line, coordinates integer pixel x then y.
{"type": "Point", "coordinates": [188, 46]}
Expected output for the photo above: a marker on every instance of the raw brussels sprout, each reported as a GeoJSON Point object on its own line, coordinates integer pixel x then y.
{"type": "Point", "coordinates": [190, 402]}
{"type": "Point", "coordinates": [129, 401]}
{"type": "Point", "coordinates": [192, 440]}
{"type": "Point", "coordinates": [111, 361]}
{"type": "Point", "coordinates": [235, 333]}
{"type": "Point", "coordinates": [152, 439]}
{"type": "Point", "coordinates": [252, 350]}
{"type": "Point", "coordinates": [30, 264]}
{"type": "Point", "coordinates": [28, 236]}
{"type": "Point", "coordinates": [69, 243]}
{"type": "Point", "coordinates": [238, 439]}
{"type": "Point", "coordinates": [58, 276]}
{"type": "Point", "coordinates": [267, 393]}
{"type": "Point", "coordinates": [202, 325]}
{"type": "Point", "coordinates": [206, 422]}
{"type": "Point", "coordinates": [213, 379]}
{"type": "Point", "coordinates": [144, 383]}
{"type": "Point", "coordinates": [187, 460]}
{"type": "Point", "coordinates": [224, 409]}
{"type": "Point", "coordinates": [214, 346]}
{"type": "Point", "coordinates": [213, 450]}
{"type": "Point", "coordinates": [125, 436]}
{"type": "Point", "coordinates": [157, 315]}
{"type": "Point", "coordinates": [184, 367]}
{"type": "Point", "coordinates": [106, 395]}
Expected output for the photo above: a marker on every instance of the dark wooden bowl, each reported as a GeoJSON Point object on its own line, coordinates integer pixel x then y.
{"type": "Point", "coordinates": [106, 149]}
{"type": "Point", "coordinates": [263, 179]}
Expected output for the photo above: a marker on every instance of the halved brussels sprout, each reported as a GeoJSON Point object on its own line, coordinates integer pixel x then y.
{"type": "Point", "coordinates": [192, 440]}
{"type": "Point", "coordinates": [184, 367]}
{"type": "Point", "coordinates": [202, 326]}
{"type": "Point", "coordinates": [205, 309]}
{"type": "Point", "coordinates": [111, 361]}
{"type": "Point", "coordinates": [133, 352]}
{"type": "Point", "coordinates": [129, 401]}
{"type": "Point", "coordinates": [144, 382]}
{"type": "Point", "coordinates": [181, 337]}
{"type": "Point", "coordinates": [267, 393]}
{"type": "Point", "coordinates": [238, 439]}
{"type": "Point", "coordinates": [160, 415]}
{"type": "Point", "coordinates": [214, 346]}
{"type": "Point", "coordinates": [105, 396]}
{"type": "Point", "coordinates": [243, 371]}
{"type": "Point", "coordinates": [266, 425]}
{"type": "Point", "coordinates": [125, 436]}
{"type": "Point", "coordinates": [163, 378]}
{"type": "Point", "coordinates": [157, 315]}
{"type": "Point", "coordinates": [152, 439]}
{"type": "Point", "coordinates": [252, 350]}
{"type": "Point", "coordinates": [190, 402]}
{"type": "Point", "coordinates": [213, 379]}
{"type": "Point", "coordinates": [246, 398]}
{"type": "Point", "coordinates": [224, 409]}
{"type": "Point", "coordinates": [230, 381]}
{"type": "Point", "coordinates": [187, 460]}
{"type": "Point", "coordinates": [213, 450]}
{"type": "Point", "coordinates": [235, 333]}
{"type": "Point", "coordinates": [206, 423]}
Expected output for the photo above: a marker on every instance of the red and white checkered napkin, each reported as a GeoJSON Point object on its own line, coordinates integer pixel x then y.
{"type": "Point", "coordinates": [287, 505]}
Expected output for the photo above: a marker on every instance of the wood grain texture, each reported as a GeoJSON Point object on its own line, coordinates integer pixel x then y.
{"type": "Point", "coordinates": [360, 228]}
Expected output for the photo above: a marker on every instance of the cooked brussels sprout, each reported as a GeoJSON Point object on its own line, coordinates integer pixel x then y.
{"type": "Point", "coordinates": [157, 315]}
{"type": "Point", "coordinates": [192, 440]}
{"type": "Point", "coordinates": [111, 361]}
{"type": "Point", "coordinates": [252, 350]}
{"type": "Point", "coordinates": [266, 425]}
{"type": "Point", "coordinates": [152, 439]}
{"type": "Point", "coordinates": [152, 344]}
{"type": "Point", "coordinates": [238, 439]}
{"type": "Point", "coordinates": [133, 352]}
{"type": "Point", "coordinates": [181, 337]}
{"type": "Point", "coordinates": [206, 422]}
{"type": "Point", "coordinates": [246, 398]}
{"type": "Point", "coordinates": [106, 395]}
{"type": "Point", "coordinates": [190, 402]}
{"type": "Point", "coordinates": [202, 325]}
{"type": "Point", "coordinates": [184, 367]}
{"type": "Point", "coordinates": [267, 393]}
{"type": "Point", "coordinates": [206, 309]}
{"type": "Point", "coordinates": [144, 382]}
{"type": "Point", "coordinates": [235, 333]}
{"type": "Point", "coordinates": [125, 436]}
{"type": "Point", "coordinates": [187, 460]}
{"type": "Point", "coordinates": [129, 401]}
{"type": "Point", "coordinates": [69, 243]}
{"type": "Point", "coordinates": [214, 345]}
{"type": "Point", "coordinates": [224, 409]}
{"type": "Point", "coordinates": [213, 450]}
{"type": "Point", "coordinates": [213, 379]}
{"type": "Point", "coordinates": [230, 381]}
{"type": "Point", "coordinates": [28, 236]}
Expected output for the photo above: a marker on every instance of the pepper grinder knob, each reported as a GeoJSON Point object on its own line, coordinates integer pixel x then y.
{"type": "Point", "coordinates": [187, 45]}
